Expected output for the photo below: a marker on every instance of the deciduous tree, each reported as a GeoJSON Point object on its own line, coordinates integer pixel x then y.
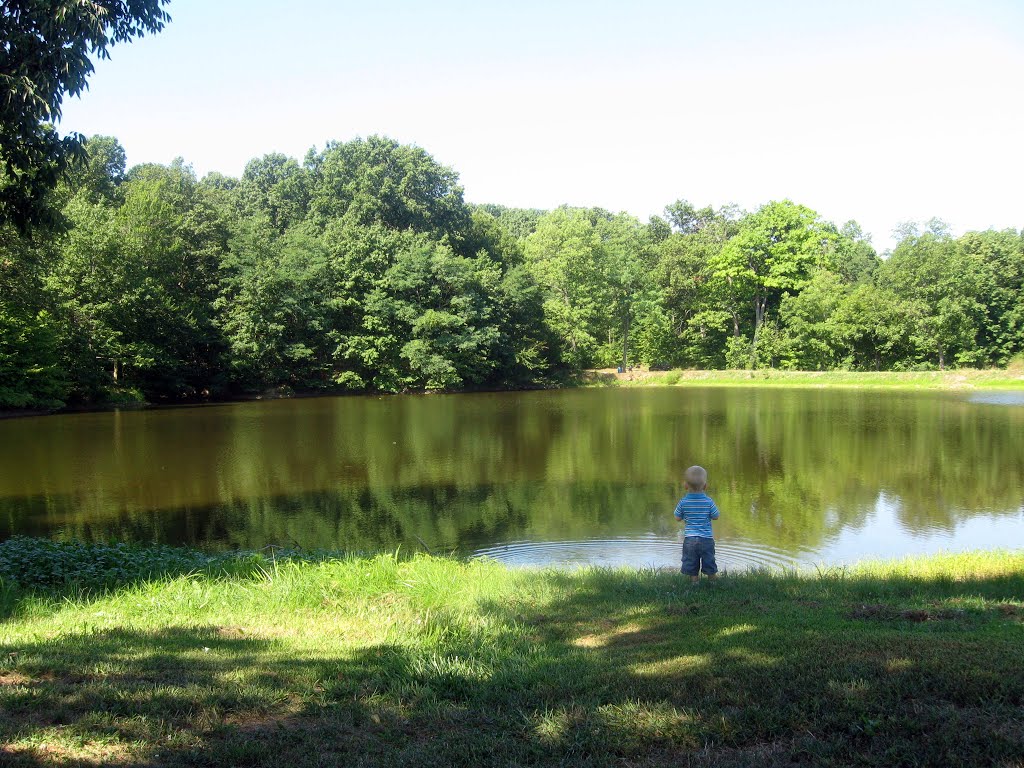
{"type": "Point", "coordinates": [45, 55]}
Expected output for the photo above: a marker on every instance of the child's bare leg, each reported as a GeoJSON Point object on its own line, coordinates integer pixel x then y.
{"type": "Point", "coordinates": [694, 579]}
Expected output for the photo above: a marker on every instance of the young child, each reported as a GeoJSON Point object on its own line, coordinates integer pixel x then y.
{"type": "Point", "coordinates": [696, 509]}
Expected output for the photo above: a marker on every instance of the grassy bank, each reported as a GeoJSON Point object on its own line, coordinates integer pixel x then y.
{"type": "Point", "coordinates": [430, 661]}
{"type": "Point", "coordinates": [963, 379]}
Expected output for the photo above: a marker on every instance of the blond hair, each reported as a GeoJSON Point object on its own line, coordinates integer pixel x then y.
{"type": "Point", "coordinates": [696, 478]}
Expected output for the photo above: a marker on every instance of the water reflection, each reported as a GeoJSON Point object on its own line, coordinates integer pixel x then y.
{"type": "Point", "coordinates": [574, 476]}
{"type": "Point", "coordinates": [998, 398]}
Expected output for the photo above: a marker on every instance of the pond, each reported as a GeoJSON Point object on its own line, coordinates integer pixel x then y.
{"type": "Point", "coordinates": [540, 478]}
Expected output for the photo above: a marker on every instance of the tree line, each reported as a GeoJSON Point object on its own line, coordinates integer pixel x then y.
{"type": "Point", "coordinates": [362, 268]}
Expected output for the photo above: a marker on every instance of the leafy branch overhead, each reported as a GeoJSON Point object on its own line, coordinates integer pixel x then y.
{"type": "Point", "coordinates": [45, 56]}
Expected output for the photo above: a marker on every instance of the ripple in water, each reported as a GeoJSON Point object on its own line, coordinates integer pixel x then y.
{"type": "Point", "coordinates": [638, 552]}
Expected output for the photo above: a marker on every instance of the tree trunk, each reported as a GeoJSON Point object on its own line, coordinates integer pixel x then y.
{"type": "Point", "coordinates": [759, 310]}
{"type": "Point", "coordinates": [625, 342]}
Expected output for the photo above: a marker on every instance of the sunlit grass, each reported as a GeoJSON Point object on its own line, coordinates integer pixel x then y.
{"type": "Point", "coordinates": [959, 379]}
{"type": "Point", "coordinates": [433, 661]}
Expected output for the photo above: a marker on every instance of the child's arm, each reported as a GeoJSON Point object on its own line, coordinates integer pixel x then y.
{"type": "Point", "coordinates": [679, 510]}
{"type": "Point", "coordinates": [713, 511]}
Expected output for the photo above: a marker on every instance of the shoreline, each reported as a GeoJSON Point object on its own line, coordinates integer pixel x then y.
{"type": "Point", "coordinates": [957, 380]}
{"type": "Point", "coordinates": [73, 566]}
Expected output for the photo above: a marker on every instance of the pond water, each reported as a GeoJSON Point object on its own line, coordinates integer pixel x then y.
{"type": "Point", "coordinates": [536, 478]}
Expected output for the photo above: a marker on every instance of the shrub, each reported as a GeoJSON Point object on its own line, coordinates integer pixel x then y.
{"type": "Point", "coordinates": [738, 353]}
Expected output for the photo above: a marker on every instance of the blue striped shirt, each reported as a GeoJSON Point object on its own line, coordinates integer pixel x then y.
{"type": "Point", "coordinates": [697, 510]}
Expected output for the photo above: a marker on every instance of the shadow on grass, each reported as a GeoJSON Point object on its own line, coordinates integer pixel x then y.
{"type": "Point", "coordinates": [614, 669]}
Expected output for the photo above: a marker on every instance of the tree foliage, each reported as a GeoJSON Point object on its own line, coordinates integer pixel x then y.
{"type": "Point", "coordinates": [361, 268]}
{"type": "Point", "coordinates": [46, 55]}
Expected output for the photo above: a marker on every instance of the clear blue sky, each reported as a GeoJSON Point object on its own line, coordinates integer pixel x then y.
{"type": "Point", "coordinates": [871, 110]}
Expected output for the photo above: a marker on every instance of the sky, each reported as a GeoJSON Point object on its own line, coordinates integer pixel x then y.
{"type": "Point", "coordinates": [878, 111]}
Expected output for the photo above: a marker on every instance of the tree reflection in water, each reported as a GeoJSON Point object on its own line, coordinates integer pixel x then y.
{"type": "Point", "coordinates": [798, 473]}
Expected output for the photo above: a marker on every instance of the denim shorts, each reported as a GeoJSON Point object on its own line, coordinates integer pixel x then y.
{"type": "Point", "coordinates": [699, 555]}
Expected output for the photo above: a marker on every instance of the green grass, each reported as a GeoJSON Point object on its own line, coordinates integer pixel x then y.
{"type": "Point", "coordinates": [960, 379]}
{"type": "Point", "coordinates": [433, 661]}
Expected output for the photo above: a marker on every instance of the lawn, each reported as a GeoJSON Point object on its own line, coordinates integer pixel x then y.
{"type": "Point", "coordinates": [959, 379]}
{"type": "Point", "coordinates": [433, 661]}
